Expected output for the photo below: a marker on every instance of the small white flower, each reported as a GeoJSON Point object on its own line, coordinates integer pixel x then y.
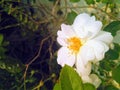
{"type": "Point", "coordinates": [83, 41]}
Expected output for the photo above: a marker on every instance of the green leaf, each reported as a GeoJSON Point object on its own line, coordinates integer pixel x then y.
{"type": "Point", "coordinates": [2, 51]}
{"type": "Point", "coordinates": [74, 0]}
{"type": "Point", "coordinates": [90, 2]}
{"type": "Point", "coordinates": [117, 1]}
{"type": "Point", "coordinates": [107, 1]}
{"type": "Point", "coordinates": [110, 87]}
{"type": "Point", "coordinates": [113, 27]}
{"type": "Point", "coordinates": [71, 16]}
{"type": "Point", "coordinates": [88, 86]}
{"type": "Point", "coordinates": [116, 47]}
{"type": "Point", "coordinates": [116, 74]}
{"type": "Point", "coordinates": [10, 9]}
{"type": "Point", "coordinates": [52, 0]}
{"type": "Point", "coordinates": [1, 39]}
{"type": "Point", "coordinates": [98, 0]}
{"type": "Point", "coordinates": [69, 79]}
{"type": "Point", "coordinates": [104, 1]}
{"type": "Point", "coordinates": [107, 65]}
{"type": "Point", "coordinates": [111, 55]}
{"type": "Point", "coordinates": [57, 86]}
{"type": "Point", "coordinates": [11, 65]}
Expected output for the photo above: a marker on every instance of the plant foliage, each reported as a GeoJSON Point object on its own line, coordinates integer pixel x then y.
{"type": "Point", "coordinates": [28, 47]}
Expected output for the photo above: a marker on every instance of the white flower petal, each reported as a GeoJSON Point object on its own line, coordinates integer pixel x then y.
{"type": "Point", "coordinates": [85, 26]}
{"type": "Point", "coordinates": [95, 80]}
{"type": "Point", "coordinates": [82, 69]}
{"type": "Point", "coordinates": [86, 79]}
{"type": "Point", "coordinates": [81, 19]}
{"type": "Point", "coordinates": [81, 32]}
{"type": "Point", "coordinates": [61, 34]}
{"type": "Point", "coordinates": [99, 48]}
{"type": "Point", "coordinates": [78, 24]}
{"type": "Point", "coordinates": [67, 30]}
{"type": "Point", "coordinates": [65, 57]}
{"type": "Point", "coordinates": [87, 53]}
{"type": "Point", "coordinates": [62, 41]}
{"type": "Point", "coordinates": [105, 37]}
{"type": "Point", "coordinates": [93, 18]}
{"type": "Point", "coordinates": [93, 27]}
{"type": "Point", "coordinates": [65, 33]}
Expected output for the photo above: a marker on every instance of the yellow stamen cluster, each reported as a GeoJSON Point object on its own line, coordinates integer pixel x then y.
{"type": "Point", "coordinates": [74, 44]}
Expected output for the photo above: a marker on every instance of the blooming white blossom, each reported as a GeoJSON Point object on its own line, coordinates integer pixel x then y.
{"type": "Point", "coordinates": [82, 42]}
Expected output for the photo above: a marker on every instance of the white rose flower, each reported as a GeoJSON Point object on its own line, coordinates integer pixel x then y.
{"type": "Point", "coordinates": [82, 41]}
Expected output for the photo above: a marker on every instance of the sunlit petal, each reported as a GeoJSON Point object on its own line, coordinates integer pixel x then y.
{"type": "Point", "coordinates": [105, 37]}
{"type": "Point", "coordinates": [67, 30]}
{"type": "Point", "coordinates": [78, 24]}
{"type": "Point", "coordinates": [80, 20]}
{"type": "Point", "coordinates": [93, 27]}
{"type": "Point", "coordinates": [87, 54]}
{"type": "Point", "coordinates": [82, 69]}
{"type": "Point", "coordinates": [65, 57]}
{"type": "Point", "coordinates": [99, 48]}
{"type": "Point", "coordinates": [61, 41]}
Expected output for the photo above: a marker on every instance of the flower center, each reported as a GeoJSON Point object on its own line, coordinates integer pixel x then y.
{"type": "Point", "coordinates": [74, 44]}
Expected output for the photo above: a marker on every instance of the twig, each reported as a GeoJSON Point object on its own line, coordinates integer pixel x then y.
{"type": "Point", "coordinates": [39, 52]}
{"type": "Point", "coordinates": [54, 8]}
{"type": "Point", "coordinates": [93, 7]}
{"type": "Point", "coordinates": [10, 26]}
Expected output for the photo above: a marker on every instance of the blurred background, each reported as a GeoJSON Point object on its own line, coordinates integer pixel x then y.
{"type": "Point", "coordinates": [28, 31]}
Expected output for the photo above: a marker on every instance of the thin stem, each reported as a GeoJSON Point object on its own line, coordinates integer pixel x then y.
{"type": "Point", "coordinates": [93, 7]}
